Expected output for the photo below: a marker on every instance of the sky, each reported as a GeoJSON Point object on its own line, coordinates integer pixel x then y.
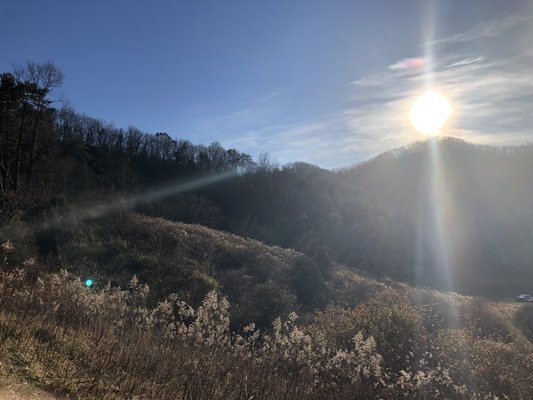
{"type": "Point", "coordinates": [326, 82]}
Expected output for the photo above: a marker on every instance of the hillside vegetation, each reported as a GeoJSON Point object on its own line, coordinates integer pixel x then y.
{"type": "Point", "coordinates": [182, 324]}
{"type": "Point", "coordinates": [381, 216]}
{"type": "Point", "coordinates": [217, 277]}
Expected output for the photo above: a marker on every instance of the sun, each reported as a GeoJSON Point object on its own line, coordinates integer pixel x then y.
{"type": "Point", "coordinates": [430, 112]}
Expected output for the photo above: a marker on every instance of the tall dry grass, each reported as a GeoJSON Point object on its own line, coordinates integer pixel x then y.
{"type": "Point", "coordinates": [107, 344]}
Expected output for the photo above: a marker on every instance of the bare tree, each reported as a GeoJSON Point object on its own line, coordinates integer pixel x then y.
{"type": "Point", "coordinates": [41, 79]}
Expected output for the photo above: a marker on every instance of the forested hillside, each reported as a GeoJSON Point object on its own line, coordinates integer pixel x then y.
{"type": "Point", "coordinates": [380, 216]}
{"type": "Point", "coordinates": [50, 151]}
{"type": "Point", "coordinates": [483, 197]}
{"type": "Point", "coordinates": [140, 266]}
{"type": "Point", "coordinates": [398, 213]}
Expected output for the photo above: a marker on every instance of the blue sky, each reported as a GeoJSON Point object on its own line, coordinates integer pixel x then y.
{"type": "Point", "coordinates": [316, 81]}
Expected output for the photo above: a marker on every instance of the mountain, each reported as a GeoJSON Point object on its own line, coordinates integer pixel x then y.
{"type": "Point", "coordinates": [444, 213]}
{"type": "Point", "coordinates": [469, 205]}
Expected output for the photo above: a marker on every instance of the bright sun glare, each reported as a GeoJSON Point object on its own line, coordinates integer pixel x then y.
{"type": "Point", "coordinates": [430, 112]}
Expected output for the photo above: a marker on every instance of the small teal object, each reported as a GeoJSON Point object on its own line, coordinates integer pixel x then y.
{"type": "Point", "coordinates": [89, 282]}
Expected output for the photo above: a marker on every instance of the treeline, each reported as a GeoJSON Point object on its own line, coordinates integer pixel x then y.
{"type": "Point", "coordinates": [153, 156]}
{"type": "Point", "coordinates": [47, 148]}
{"type": "Point", "coordinates": [26, 117]}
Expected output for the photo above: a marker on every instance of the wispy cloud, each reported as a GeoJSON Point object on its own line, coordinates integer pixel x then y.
{"type": "Point", "coordinates": [487, 30]}
{"type": "Point", "coordinates": [466, 61]}
{"type": "Point", "coordinates": [491, 91]}
{"type": "Point", "coordinates": [288, 142]}
{"type": "Point", "coordinates": [490, 88]}
{"type": "Point", "coordinates": [409, 64]}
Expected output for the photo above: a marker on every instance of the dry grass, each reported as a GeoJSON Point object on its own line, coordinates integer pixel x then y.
{"type": "Point", "coordinates": [106, 344]}
{"type": "Point", "coordinates": [189, 336]}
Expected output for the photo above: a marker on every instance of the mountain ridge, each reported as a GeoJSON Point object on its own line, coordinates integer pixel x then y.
{"type": "Point", "coordinates": [420, 145]}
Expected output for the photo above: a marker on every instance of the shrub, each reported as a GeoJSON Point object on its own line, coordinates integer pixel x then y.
{"type": "Point", "coordinates": [485, 320]}
{"type": "Point", "coordinates": [105, 343]}
{"type": "Point", "coordinates": [437, 310]}
{"type": "Point", "coordinates": [524, 320]}
{"type": "Point", "coordinates": [396, 330]}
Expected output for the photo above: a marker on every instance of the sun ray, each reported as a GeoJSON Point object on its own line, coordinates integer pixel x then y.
{"type": "Point", "coordinates": [91, 211]}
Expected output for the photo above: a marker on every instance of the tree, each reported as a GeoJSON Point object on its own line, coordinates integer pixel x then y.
{"type": "Point", "coordinates": [37, 81]}
{"type": "Point", "coordinates": [8, 107]}
{"type": "Point", "coordinates": [308, 282]}
{"type": "Point", "coordinates": [265, 162]}
{"type": "Point", "coordinates": [217, 156]}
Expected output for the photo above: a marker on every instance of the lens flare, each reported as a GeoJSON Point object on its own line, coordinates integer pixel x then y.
{"type": "Point", "coordinates": [430, 112]}
{"type": "Point", "coordinates": [89, 282]}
